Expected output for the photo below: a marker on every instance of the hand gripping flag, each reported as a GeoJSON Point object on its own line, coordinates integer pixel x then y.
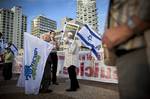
{"type": "Point", "coordinates": [90, 39]}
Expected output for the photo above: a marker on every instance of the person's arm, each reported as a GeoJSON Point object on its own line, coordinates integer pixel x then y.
{"type": "Point", "coordinates": [117, 35]}
{"type": "Point", "coordinates": [135, 24]}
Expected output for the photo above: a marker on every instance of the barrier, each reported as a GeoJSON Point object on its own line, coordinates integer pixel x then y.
{"type": "Point", "coordinates": [88, 68]}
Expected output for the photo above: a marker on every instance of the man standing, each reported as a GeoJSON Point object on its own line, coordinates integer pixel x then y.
{"type": "Point", "coordinates": [7, 69]}
{"type": "Point", "coordinates": [54, 58]}
{"type": "Point", "coordinates": [51, 62]}
{"type": "Point", "coordinates": [128, 40]}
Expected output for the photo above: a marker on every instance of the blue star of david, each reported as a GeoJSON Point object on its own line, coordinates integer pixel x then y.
{"type": "Point", "coordinates": [89, 38]}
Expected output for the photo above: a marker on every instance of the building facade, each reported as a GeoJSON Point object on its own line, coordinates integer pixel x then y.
{"type": "Point", "coordinates": [13, 24]}
{"type": "Point", "coordinates": [24, 27]}
{"type": "Point", "coordinates": [6, 24]}
{"type": "Point", "coordinates": [41, 25]}
{"type": "Point", "coordinates": [19, 26]}
{"type": "Point", "coordinates": [87, 13]}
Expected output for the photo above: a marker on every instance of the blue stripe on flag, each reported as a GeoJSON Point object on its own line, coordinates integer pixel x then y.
{"type": "Point", "coordinates": [94, 52]}
{"type": "Point", "coordinates": [87, 43]}
{"type": "Point", "coordinates": [92, 33]}
{"type": "Point", "coordinates": [15, 47]}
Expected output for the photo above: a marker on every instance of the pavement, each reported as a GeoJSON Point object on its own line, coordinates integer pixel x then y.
{"type": "Point", "coordinates": [88, 90]}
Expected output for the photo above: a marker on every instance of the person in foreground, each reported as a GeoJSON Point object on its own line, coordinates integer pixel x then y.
{"type": "Point", "coordinates": [133, 62]}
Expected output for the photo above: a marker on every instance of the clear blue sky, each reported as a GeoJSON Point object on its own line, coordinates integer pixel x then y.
{"type": "Point", "coordinates": [54, 9]}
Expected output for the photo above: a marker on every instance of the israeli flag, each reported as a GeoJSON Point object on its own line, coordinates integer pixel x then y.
{"type": "Point", "coordinates": [14, 49]}
{"type": "Point", "coordinates": [90, 39]}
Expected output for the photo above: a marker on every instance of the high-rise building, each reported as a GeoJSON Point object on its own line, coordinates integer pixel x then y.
{"type": "Point", "coordinates": [19, 26]}
{"type": "Point", "coordinates": [41, 25]}
{"type": "Point", "coordinates": [87, 13]}
{"type": "Point", "coordinates": [13, 24]}
{"type": "Point", "coordinates": [24, 27]}
{"type": "Point", "coordinates": [6, 24]}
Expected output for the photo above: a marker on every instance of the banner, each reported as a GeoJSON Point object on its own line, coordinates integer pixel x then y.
{"type": "Point", "coordinates": [89, 68]}
{"type": "Point", "coordinates": [36, 52]}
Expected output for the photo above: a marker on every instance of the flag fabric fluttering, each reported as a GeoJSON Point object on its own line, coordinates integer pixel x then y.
{"type": "Point", "coordinates": [90, 39]}
{"type": "Point", "coordinates": [14, 49]}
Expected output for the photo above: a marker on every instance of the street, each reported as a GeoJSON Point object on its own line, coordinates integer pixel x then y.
{"type": "Point", "coordinates": [88, 90]}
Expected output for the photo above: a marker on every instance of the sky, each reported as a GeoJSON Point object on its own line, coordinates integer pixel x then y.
{"type": "Point", "coordinates": [55, 10]}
